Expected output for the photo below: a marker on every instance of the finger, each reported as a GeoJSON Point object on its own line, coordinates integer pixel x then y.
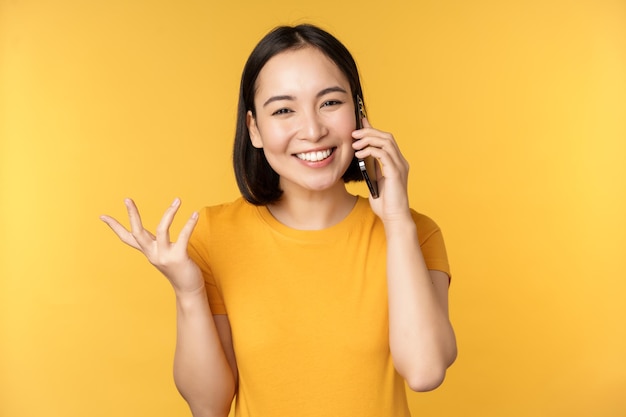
{"type": "Point", "coordinates": [398, 160]}
{"type": "Point", "coordinates": [186, 231]}
{"type": "Point", "coordinates": [369, 136]}
{"type": "Point", "coordinates": [384, 142]}
{"type": "Point", "coordinates": [141, 235]}
{"type": "Point", "coordinates": [163, 229]}
{"type": "Point", "coordinates": [363, 131]}
{"type": "Point", "coordinates": [379, 171]}
{"type": "Point", "coordinates": [121, 232]}
{"type": "Point", "coordinates": [391, 166]}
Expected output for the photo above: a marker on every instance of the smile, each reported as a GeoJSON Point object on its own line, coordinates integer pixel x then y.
{"type": "Point", "coordinates": [315, 156]}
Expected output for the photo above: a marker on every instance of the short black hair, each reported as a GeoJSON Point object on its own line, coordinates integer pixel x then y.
{"type": "Point", "coordinates": [257, 181]}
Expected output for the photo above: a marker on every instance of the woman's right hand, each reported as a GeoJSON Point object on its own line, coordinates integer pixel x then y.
{"type": "Point", "coordinates": [168, 257]}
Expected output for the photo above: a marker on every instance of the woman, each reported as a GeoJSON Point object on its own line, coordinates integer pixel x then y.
{"type": "Point", "coordinates": [301, 298]}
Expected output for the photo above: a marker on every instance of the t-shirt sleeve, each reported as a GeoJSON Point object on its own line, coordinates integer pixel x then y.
{"type": "Point", "coordinates": [199, 251]}
{"type": "Point", "coordinates": [431, 243]}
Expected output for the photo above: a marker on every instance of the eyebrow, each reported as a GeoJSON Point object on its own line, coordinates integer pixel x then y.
{"type": "Point", "coordinates": [335, 89]}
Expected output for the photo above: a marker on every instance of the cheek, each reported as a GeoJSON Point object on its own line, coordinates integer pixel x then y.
{"type": "Point", "coordinates": [345, 125]}
{"type": "Point", "coordinates": [274, 135]}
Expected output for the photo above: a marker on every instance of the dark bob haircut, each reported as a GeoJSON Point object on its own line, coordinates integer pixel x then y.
{"type": "Point", "coordinates": [257, 181]}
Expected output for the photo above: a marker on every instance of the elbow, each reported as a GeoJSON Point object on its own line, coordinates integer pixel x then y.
{"type": "Point", "coordinates": [424, 368]}
{"type": "Point", "coordinates": [426, 380]}
{"type": "Point", "coordinates": [205, 411]}
{"type": "Point", "coordinates": [201, 405]}
{"type": "Point", "coordinates": [430, 376]}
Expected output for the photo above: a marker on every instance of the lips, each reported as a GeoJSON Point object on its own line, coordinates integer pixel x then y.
{"type": "Point", "coordinates": [315, 156]}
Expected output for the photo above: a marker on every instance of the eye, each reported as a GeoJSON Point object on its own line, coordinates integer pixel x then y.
{"type": "Point", "coordinates": [331, 103]}
{"type": "Point", "coordinates": [281, 111]}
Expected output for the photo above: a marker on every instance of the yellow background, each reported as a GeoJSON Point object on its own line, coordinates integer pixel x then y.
{"type": "Point", "coordinates": [513, 114]}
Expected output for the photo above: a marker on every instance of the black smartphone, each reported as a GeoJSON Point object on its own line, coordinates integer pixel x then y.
{"type": "Point", "coordinates": [367, 165]}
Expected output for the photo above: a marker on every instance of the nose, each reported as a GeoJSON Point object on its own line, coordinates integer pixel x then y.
{"type": "Point", "coordinates": [312, 127]}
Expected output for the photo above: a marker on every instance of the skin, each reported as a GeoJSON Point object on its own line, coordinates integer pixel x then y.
{"type": "Point", "coordinates": [205, 371]}
{"type": "Point", "coordinates": [303, 104]}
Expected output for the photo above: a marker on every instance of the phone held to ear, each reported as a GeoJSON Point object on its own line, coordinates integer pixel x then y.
{"type": "Point", "coordinates": [367, 165]}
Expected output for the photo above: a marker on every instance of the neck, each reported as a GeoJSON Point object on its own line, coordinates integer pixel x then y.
{"type": "Point", "coordinates": [313, 210]}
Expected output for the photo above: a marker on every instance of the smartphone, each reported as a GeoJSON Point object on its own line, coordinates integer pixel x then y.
{"type": "Point", "coordinates": [367, 165]}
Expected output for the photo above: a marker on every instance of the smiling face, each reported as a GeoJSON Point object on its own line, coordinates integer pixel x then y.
{"type": "Point", "coordinates": [304, 120]}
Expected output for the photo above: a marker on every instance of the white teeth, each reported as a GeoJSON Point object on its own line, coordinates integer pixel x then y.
{"type": "Point", "coordinates": [314, 156]}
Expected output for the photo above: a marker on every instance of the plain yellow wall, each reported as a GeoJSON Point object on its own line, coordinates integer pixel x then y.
{"type": "Point", "coordinates": [513, 114]}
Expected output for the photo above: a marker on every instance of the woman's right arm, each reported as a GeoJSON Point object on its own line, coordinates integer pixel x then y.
{"type": "Point", "coordinates": [205, 371]}
{"type": "Point", "coordinates": [204, 366]}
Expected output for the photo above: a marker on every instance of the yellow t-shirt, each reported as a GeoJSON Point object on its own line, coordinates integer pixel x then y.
{"type": "Point", "coordinates": [307, 309]}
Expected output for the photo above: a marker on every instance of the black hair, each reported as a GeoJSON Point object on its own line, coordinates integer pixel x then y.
{"type": "Point", "coordinates": [257, 181]}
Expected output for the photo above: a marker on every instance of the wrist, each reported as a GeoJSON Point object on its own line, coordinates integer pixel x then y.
{"type": "Point", "coordinates": [185, 296]}
{"type": "Point", "coordinates": [399, 222]}
{"type": "Point", "coordinates": [192, 303]}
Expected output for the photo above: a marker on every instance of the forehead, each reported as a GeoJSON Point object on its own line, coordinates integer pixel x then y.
{"type": "Point", "coordinates": [302, 69]}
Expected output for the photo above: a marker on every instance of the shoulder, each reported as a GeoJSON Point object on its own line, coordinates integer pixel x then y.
{"type": "Point", "coordinates": [431, 242]}
{"type": "Point", "coordinates": [425, 225]}
{"type": "Point", "coordinates": [223, 218]}
{"type": "Point", "coordinates": [230, 213]}
{"type": "Point", "coordinates": [231, 208]}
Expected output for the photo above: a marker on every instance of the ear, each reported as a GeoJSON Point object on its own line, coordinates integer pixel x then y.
{"type": "Point", "coordinates": [253, 130]}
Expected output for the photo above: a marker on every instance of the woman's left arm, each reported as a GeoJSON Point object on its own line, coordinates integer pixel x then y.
{"type": "Point", "coordinates": [421, 337]}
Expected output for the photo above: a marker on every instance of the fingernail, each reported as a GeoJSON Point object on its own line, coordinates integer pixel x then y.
{"type": "Point", "coordinates": [176, 202]}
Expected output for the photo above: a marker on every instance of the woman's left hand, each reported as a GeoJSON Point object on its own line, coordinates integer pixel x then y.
{"type": "Point", "coordinates": [392, 172]}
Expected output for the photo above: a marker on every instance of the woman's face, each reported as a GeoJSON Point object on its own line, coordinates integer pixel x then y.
{"type": "Point", "coordinates": [304, 120]}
